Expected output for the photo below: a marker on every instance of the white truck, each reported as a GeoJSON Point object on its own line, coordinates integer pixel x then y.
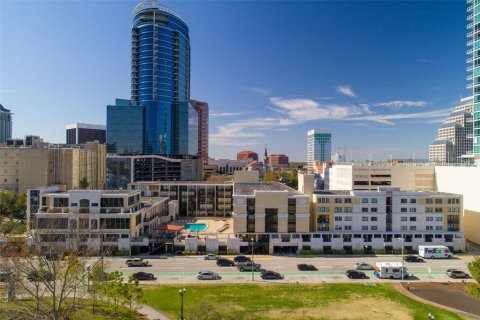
{"type": "Point", "coordinates": [390, 270]}
{"type": "Point", "coordinates": [136, 262]}
{"type": "Point", "coordinates": [434, 252]}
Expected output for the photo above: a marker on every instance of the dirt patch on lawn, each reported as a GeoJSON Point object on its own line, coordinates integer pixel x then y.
{"type": "Point", "coordinates": [366, 308]}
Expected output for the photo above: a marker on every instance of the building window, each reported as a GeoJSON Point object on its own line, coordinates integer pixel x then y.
{"type": "Point", "coordinates": [413, 200]}
{"type": "Point", "coordinates": [403, 209]}
{"type": "Point", "coordinates": [373, 209]}
{"type": "Point", "coordinates": [374, 200]}
{"type": "Point", "coordinates": [347, 227]}
{"type": "Point", "coordinates": [338, 200]}
{"type": "Point", "coordinates": [292, 223]}
{"type": "Point", "coordinates": [428, 209]}
{"type": "Point", "coordinates": [403, 228]}
{"type": "Point", "coordinates": [364, 218]}
{"type": "Point", "coordinates": [438, 218]}
{"type": "Point", "coordinates": [403, 219]}
{"type": "Point", "coordinates": [413, 218]}
{"type": "Point", "coordinates": [338, 227]}
{"type": "Point", "coordinates": [364, 227]}
{"type": "Point", "coordinates": [364, 200]}
{"type": "Point", "coordinates": [438, 201]}
{"type": "Point", "coordinates": [429, 228]}
{"type": "Point", "coordinates": [413, 228]}
{"type": "Point", "coordinates": [373, 219]}
{"type": "Point", "coordinates": [439, 228]}
{"type": "Point", "coordinates": [403, 200]}
{"type": "Point", "coordinates": [429, 201]}
{"type": "Point", "coordinates": [338, 209]}
{"type": "Point", "coordinates": [364, 209]}
{"type": "Point", "coordinates": [347, 209]}
{"type": "Point", "coordinates": [348, 218]}
{"type": "Point", "coordinates": [348, 200]}
{"type": "Point", "coordinates": [413, 209]}
{"type": "Point", "coordinates": [338, 218]}
{"type": "Point", "coordinates": [438, 210]}
{"type": "Point", "coordinates": [373, 228]}
{"type": "Point", "coordinates": [428, 218]}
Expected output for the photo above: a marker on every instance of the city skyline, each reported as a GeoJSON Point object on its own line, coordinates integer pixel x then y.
{"type": "Point", "coordinates": [380, 91]}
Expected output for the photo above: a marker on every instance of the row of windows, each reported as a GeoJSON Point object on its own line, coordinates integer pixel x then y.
{"type": "Point", "coordinates": [347, 228]}
{"type": "Point", "coordinates": [349, 218]}
{"type": "Point", "coordinates": [428, 228]}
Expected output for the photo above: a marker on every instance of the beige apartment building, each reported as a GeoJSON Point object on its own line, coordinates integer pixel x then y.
{"type": "Point", "coordinates": [25, 168]}
{"type": "Point", "coordinates": [416, 177]}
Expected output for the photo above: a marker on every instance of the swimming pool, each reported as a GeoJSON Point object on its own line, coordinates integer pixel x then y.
{"type": "Point", "coordinates": [195, 227]}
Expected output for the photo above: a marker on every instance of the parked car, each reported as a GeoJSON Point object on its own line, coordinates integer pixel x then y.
{"type": "Point", "coordinates": [249, 266]}
{"type": "Point", "coordinates": [355, 274]}
{"type": "Point", "coordinates": [363, 266]}
{"type": "Point", "coordinates": [413, 259]}
{"type": "Point", "coordinates": [454, 273]}
{"type": "Point", "coordinates": [208, 275]}
{"type": "Point", "coordinates": [136, 262]}
{"type": "Point", "coordinates": [143, 276]}
{"type": "Point", "coordinates": [241, 258]}
{"type": "Point", "coordinates": [210, 256]}
{"type": "Point", "coordinates": [222, 262]}
{"type": "Point", "coordinates": [306, 267]}
{"type": "Point", "coordinates": [38, 276]}
{"type": "Point", "coordinates": [271, 275]}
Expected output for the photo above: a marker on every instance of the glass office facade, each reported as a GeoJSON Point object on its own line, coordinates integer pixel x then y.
{"type": "Point", "coordinates": [125, 127]}
{"type": "Point", "coordinates": [161, 77]}
{"type": "Point", "coordinates": [474, 68]}
{"type": "Point", "coordinates": [319, 147]}
{"type": "Point", "coordinates": [193, 132]}
{"type": "Point", "coordinates": [5, 124]}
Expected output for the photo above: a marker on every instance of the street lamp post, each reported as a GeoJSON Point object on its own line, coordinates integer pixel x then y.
{"type": "Point", "coordinates": [403, 260]}
{"type": "Point", "coordinates": [182, 293]}
{"type": "Point", "coordinates": [253, 263]}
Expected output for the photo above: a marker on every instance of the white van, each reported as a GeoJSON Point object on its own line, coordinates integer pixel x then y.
{"type": "Point", "coordinates": [390, 270]}
{"type": "Point", "coordinates": [434, 252]}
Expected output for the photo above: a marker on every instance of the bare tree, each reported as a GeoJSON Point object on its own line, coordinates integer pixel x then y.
{"type": "Point", "coordinates": [48, 281]}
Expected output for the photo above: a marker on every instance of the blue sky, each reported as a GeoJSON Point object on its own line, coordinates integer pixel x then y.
{"type": "Point", "coordinates": [379, 75]}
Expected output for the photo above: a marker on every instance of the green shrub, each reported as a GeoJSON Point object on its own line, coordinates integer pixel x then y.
{"type": "Point", "coordinates": [121, 253]}
{"type": "Point", "coordinates": [231, 252]}
{"type": "Point", "coordinates": [310, 252]}
{"type": "Point", "coordinates": [473, 289]}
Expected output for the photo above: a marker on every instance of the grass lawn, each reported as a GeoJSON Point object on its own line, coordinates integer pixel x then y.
{"type": "Point", "coordinates": [290, 301]}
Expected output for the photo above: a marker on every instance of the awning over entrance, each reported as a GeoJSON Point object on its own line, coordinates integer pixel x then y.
{"type": "Point", "coordinates": [168, 227]}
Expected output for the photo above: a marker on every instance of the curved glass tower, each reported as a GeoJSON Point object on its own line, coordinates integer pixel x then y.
{"type": "Point", "coordinates": [161, 77]}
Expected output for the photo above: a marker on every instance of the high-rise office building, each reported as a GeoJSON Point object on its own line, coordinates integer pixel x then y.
{"type": "Point", "coordinates": [5, 124]}
{"type": "Point", "coordinates": [78, 133]}
{"type": "Point", "coordinates": [161, 77]}
{"type": "Point", "coordinates": [454, 138]}
{"type": "Point", "coordinates": [202, 110]}
{"type": "Point", "coordinates": [193, 131]}
{"type": "Point", "coordinates": [319, 146]}
{"type": "Point", "coordinates": [473, 19]}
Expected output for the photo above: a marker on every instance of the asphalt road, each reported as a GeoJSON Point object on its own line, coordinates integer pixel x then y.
{"type": "Point", "coordinates": [179, 269]}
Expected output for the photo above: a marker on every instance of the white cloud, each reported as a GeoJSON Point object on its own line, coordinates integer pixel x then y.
{"type": "Point", "coordinates": [402, 103]}
{"type": "Point", "coordinates": [257, 90]}
{"type": "Point", "coordinates": [387, 118]}
{"type": "Point", "coordinates": [227, 114]}
{"type": "Point", "coordinates": [346, 91]}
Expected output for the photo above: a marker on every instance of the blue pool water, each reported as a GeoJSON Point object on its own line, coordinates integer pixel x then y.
{"type": "Point", "coordinates": [195, 227]}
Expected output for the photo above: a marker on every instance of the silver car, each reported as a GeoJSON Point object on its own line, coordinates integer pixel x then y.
{"type": "Point", "coordinates": [208, 275]}
{"type": "Point", "coordinates": [210, 256]}
{"type": "Point", "coordinates": [363, 266]}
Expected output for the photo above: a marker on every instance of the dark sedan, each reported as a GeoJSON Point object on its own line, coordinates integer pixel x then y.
{"type": "Point", "coordinates": [413, 259]}
{"type": "Point", "coordinates": [271, 275]}
{"type": "Point", "coordinates": [40, 276]}
{"type": "Point", "coordinates": [143, 276]}
{"type": "Point", "coordinates": [241, 259]}
{"type": "Point", "coordinates": [222, 262]}
{"type": "Point", "coordinates": [306, 267]}
{"type": "Point", "coordinates": [454, 273]}
{"type": "Point", "coordinates": [355, 274]}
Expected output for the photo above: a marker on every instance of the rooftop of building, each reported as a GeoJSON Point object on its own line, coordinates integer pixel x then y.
{"type": "Point", "coordinates": [450, 125]}
{"type": "Point", "coordinates": [247, 189]}
{"type": "Point", "coordinates": [183, 182]}
{"type": "Point", "coordinates": [86, 126]}
{"type": "Point", "coordinates": [3, 109]}
{"type": "Point", "coordinates": [460, 113]}
{"type": "Point", "coordinates": [440, 142]}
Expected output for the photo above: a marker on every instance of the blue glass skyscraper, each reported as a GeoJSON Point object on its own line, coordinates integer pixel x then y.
{"type": "Point", "coordinates": [161, 77]}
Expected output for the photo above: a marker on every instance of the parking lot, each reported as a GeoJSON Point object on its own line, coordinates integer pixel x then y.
{"type": "Point", "coordinates": [182, 269]}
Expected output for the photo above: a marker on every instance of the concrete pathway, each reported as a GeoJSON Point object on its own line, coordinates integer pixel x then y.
{"type": "Point", "coordinates": [151, 313]}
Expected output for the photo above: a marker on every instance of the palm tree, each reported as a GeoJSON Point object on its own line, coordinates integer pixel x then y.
{"type": "Point", "coordinates": [83, 184]}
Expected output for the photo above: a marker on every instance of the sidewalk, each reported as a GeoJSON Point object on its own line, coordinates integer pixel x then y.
{"type": "Point", "coordinates": [151, 313]}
